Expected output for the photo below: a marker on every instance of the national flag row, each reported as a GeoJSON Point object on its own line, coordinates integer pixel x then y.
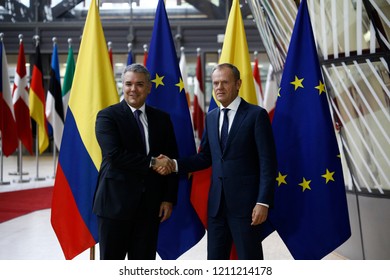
{"type": "Point", "coordinates": [25, 102]}
{"type": "Point", "coordinates": [49, 110]}
{"type": "Point", "coordinates": [31, 102]}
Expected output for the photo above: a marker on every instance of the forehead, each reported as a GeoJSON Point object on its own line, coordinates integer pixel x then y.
{"type": "Point", "coordinates": [222, 73]}
{"type": "Point", "coordinates": [134, 77]}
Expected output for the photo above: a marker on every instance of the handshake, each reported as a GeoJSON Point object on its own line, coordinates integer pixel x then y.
{"type": "Point", "coordinates": [163, 165]}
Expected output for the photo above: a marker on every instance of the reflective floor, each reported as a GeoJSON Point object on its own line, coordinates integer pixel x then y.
{"type": "Point", "coordinates": [31, 237]}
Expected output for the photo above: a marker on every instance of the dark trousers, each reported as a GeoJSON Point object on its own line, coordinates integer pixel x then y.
{"type": "Point", "coordinates": [136, 237]}
{"type": "Point", "coordinates": [224, 229]}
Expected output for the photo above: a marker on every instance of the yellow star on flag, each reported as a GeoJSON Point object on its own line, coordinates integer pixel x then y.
{"type": "Point", "coordinates": [297, 83]}
{"type": "Point", "coordinates": [281, 179]}
{"type": "Point", "coordinates": [305, 184]}
{"type": "Point", "coordinates": [180, 84]}
{"type": "Point", "coordinates": [328, 176]}
{"type": "Point", "coordinates": [158, 80]}
{"type": "Point", "coordinates": [321, 88]}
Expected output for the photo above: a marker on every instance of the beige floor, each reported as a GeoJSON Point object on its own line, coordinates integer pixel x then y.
{"type": "Point", "coordinates": [31, 237]}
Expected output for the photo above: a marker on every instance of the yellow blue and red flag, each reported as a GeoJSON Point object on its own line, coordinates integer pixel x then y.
{"type": "Point", "coordinates": [183, 229]}
{"type": "Point", "coordinates": [80, 156]}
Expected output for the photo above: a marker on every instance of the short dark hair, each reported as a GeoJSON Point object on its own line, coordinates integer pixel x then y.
{"type": "Point", "coordinates": [235, 71]}
{"type": "Point", "coordinates": [136, 68]}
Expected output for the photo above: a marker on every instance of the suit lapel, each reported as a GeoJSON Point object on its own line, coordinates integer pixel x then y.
{"type": "Point", "coordinates": [130, 119]}
{"type": "Point", "coordinates": [213, 129]}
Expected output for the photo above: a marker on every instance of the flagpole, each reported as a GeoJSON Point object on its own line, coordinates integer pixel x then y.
{"type": "Point", "coordinates": [37, 178]}
{"type": "Point", "coordinates": [54, 159]}
{"type": "Point", "coordinates": [18, 170]}
{"type": "Point", "coordinates": [2, 165]}
{"type": "Point", "coordinates": [20, 165]}
{"type": "Point", "coordinates": [54, 128]}
{"type": "Point", "coordinates": [92, 253]}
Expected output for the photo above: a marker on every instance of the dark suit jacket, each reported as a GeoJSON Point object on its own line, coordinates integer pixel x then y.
{"type": "Point", "coordinates": [246, 170]}
{"type": "Point", "coordinates": [125, 173]}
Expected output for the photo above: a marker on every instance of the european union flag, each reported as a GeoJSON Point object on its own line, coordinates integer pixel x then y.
{"type": "Point", "coordinates": [310, 213]}
{"type": "Point", "coordinates": [183, 229]}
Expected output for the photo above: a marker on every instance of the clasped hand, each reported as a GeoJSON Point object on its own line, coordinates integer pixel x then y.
{"type": "Point", "coordinates": [164, 165]}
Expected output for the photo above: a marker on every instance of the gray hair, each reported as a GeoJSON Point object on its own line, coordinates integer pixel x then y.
{"type": "Point", "coordinates": [136, 68]}
{"type": "Point", "coordinates": [235, 71]}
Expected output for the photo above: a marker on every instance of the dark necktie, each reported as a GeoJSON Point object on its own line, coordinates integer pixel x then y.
{"type": "Point", "coordinates": [137, 113]}
{"type": "Point", "coordinates": [225, 128]}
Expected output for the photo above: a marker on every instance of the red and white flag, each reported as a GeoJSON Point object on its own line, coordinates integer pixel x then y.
{"type": "Point", "coordinates": [271, 93]}
{"type": "Point", "coordinates": [21, 102]}
{"type": "Point", "coordinates": [9, 136]}
{"type": "Point", "coordinates": [199, 109]}
{"type": "Point", "coordinates": [145, 54]}
{"type": "Point", "coordinates": [257, 79]}
{"type": "Point", "coordinates": [184, 75]}
{"type": "Point", "coordinates": [109, 45]}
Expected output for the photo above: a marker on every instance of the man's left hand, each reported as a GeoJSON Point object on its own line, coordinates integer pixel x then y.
{"type": "Point", "coordinates": [259, 214]}
{"type": "Point", "coordinates": [165, 210]}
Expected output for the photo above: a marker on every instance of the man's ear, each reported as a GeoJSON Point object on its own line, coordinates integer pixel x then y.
{"type": "Point", "coordinates": [238, 84]}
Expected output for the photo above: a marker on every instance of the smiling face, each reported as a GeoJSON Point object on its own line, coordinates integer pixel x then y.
{"type": "Point", "coordinates": [136, 88]}
{"type": "Point", "coordinates": [225, 85]}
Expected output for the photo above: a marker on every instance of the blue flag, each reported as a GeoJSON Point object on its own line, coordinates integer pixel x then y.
{"type": "Point", "coordinates": [183, 229]}
{"type": "Point", "coordinates": [129, 57]}
{"type": "Point", "coordinates": [310, 213]}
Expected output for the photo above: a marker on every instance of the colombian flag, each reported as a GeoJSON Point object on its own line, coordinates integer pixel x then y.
{"type": "Point", "coordinates": [79, 160]}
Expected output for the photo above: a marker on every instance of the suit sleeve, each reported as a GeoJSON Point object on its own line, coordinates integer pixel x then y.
{"type": "Point", "coordinates": [199, 161]}
{"type": "Point", "coordinates": [108, 134]}
{"type": "Point", "coordinates": [171, 150]}
{"type": "Point", "coordinates": [267, 155]}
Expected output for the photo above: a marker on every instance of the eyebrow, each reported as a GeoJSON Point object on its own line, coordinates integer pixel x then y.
{"type": "Point", "coordinates": [136, 82]}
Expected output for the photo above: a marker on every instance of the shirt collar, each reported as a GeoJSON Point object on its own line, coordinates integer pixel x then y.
{"type": "Point", "coordinates": [142, 109]}
{"type": "Point", "coordinates": [234, 105]}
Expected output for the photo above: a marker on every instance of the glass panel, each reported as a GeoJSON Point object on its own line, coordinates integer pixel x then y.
{"type": "Point", "coordinates": [362, 107]}
{"type": "Point", "coordinates": [345, 22]}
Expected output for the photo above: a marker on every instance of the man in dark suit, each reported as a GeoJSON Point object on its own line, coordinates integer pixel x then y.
{"type": "Point", "coordinates": [131, 199]}
{"type": "Point", "coordinates": [239, 145]}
